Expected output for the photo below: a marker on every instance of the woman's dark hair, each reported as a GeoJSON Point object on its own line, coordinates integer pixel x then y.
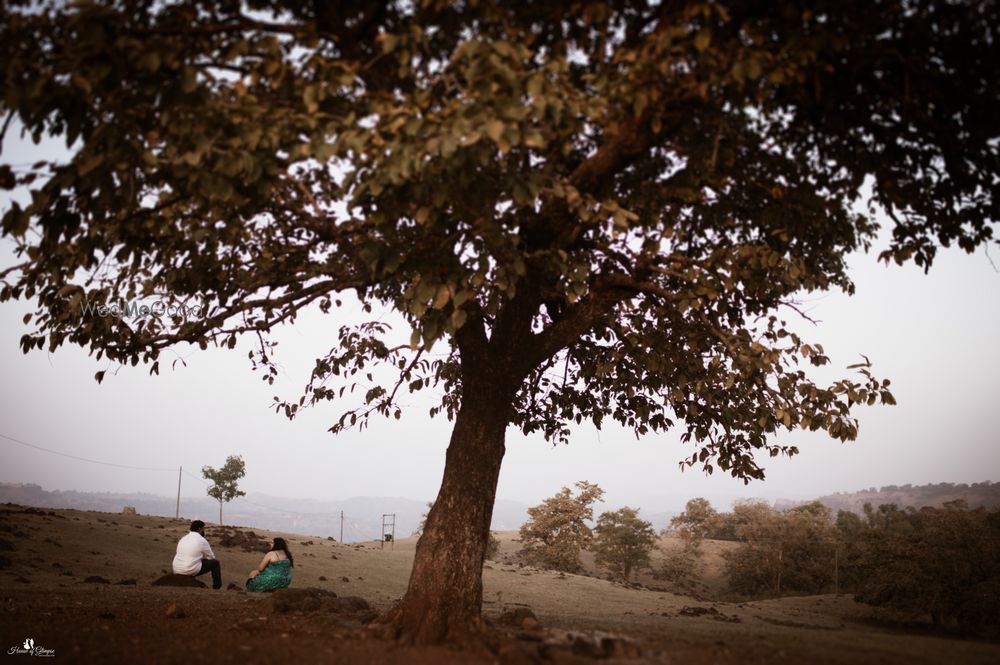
{"type": "Point", "coordinates": [280, 544]}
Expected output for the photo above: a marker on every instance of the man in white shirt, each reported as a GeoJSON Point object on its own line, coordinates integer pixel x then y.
{"type": "Point", "coordinates": [195, 557]}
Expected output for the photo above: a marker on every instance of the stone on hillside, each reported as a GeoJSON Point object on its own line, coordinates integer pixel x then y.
{"type": "Point", "coordinates": [300, 600]}
{"type": "Point", "coordinates": [248, 541]}
{"type": "Point", "coordinates": [518, 617]}
{"type": "Point", "coordinates": [312, 599]}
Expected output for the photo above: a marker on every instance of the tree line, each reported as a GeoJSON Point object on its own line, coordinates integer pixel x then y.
{"type": "Point", "coordinates": [938, 563]}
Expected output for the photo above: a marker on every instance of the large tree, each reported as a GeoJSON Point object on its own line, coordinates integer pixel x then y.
{"type": "Point", "coordinates": [587, 210]}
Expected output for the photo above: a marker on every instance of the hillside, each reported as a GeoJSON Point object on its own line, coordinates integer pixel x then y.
{"type": "Point", "coordinates": [985, 494]}
{"type": "Point", "coordinates": [314, 517]}
{"type": "Point", "coordinates": [80, 583]}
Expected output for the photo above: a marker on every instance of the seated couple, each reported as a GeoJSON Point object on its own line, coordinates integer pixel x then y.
{"type": "Point", "coordinates": [195, 557]}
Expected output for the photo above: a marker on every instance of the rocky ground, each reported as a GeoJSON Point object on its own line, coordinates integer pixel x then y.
{"type": "Point", "coordinates": [80, 585]}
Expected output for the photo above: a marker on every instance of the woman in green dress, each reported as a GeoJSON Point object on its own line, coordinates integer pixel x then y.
{"type": "Point", "coordinates": [275, 569]}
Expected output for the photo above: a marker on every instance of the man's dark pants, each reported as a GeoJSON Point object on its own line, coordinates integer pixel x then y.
{"type": "Point", "coordinates": [215, 567]}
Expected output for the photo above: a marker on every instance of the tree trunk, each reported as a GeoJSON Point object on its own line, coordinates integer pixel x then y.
{"type": "Point", "coordinates": [220, 512]}
{"type": "Point", "coordinates": [444, 599]}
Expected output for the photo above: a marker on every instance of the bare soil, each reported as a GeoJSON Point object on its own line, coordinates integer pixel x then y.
{"type": "Point", "coordinates": [81, 585]}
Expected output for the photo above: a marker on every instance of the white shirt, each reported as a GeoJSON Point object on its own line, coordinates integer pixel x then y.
{"type": "Point", "coordinates": [191, 549]}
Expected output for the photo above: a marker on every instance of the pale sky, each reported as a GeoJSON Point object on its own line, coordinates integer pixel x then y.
{"type": "Point", "coordinates": [936, 336]}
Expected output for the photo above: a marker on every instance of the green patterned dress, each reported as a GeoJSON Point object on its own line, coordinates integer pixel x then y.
{"type": "Point", "coordinates": [277, 575]}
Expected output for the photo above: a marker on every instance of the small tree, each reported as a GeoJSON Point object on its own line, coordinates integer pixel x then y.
{"type": "Point", "coordinates": [557, 529]}
{"type": "Point", "coordinates": [682, 565]}
{"type": "Point", "coordinates": [492, 547]}
{"type": "Point", "coordinates": [419, 531]}
{"type": "Point", "coordinates": [781, 552]}
{"type": "Point", "coordinates": [696, 522]}
{"type": "Point", "coordinates": [224, 487]}
{"type": "Point", "coordinates": [623, 542]}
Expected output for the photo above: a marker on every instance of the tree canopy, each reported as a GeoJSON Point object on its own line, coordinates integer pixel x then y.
{"type": "Point", "coordinates": [653, 181]}
{"type": "Point", "coordinates": [584, 211]}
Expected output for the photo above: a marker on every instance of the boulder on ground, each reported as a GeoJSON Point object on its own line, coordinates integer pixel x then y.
{"type": "Point", "coordinates": [312, 599]}
{"type": "Point", "coordinates": [179, 580]}
{"type": "Point", "coordinates": [520, 617]}
{"type": "Point", "coordinates": [309, 599]}
{"type": "Point", "coordinates": [129, 510]}
{"type": "Point", "coordinates": [248, 541]}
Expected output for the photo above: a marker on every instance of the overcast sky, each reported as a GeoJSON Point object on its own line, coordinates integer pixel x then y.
{"type": "Point", "coordinates": [936, 336]}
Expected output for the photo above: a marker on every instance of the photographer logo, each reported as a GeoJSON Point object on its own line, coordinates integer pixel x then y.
{"type": "Point", "coordinates": [28, 648]}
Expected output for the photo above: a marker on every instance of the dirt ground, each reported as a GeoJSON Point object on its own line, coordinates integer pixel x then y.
{"type": "Point", "coordinates": [79, 585]}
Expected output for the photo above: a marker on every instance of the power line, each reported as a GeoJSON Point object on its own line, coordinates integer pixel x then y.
{"type": "Point", "coordinates": [351, 524]}
{"type": "Point", "coordinates": [82, 459]}
{"type": "Point", "coordinates": [261, 505]}
{"type": "Point", "coordinates": [243, 499]}
{"type": "Point", "coordinates": [200, 480]}
{"type": "Point", "coordinates": [285, 510]}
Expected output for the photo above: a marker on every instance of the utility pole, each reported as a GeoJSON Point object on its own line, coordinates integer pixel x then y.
{"type": "Point", "coordinates": [180, 469]}
{"type": "Point", "coordinates": [341, 526]}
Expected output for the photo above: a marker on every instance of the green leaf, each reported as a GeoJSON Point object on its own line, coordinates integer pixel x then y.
{"type": "Point", "coordinates": [189, 79]}
{"type": "Point", "coordinates": [534, 139]}
{"type": "Point", "coordinates": [441, 298]}
{"type": "Point", "coordinates": [149, 61]}
{"type": "Point", "coordinates": [703, 39]}
{"type": "Point", "coordinates": [89, 164]}
{"type": "Point", "coordinates": [494, 129]}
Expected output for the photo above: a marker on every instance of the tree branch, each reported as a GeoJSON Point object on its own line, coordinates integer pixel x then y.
{"type": "Point", "coordinates": [241, 23]}
{"type": "Point", "coordinates": [200, 328]}
{"type": "Point", "coordinates": [576, 321]}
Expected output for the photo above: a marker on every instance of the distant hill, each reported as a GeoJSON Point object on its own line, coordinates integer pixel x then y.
{"type": "Point", "coordinates": [986, 494]}
{"type": "Point", "coordinates": [363, 515]}
{"type": "Point", "coordinates": [314, 517]}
